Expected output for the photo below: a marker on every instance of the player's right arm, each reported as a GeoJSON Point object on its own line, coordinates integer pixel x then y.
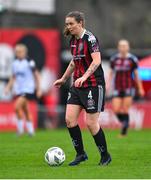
{"type": "Point", "coordinates": [136, 77]}
{"type": "Point", "coordinates": [139, 83]}
{"type": "Point", "coordinates": [109, 80]}
{"type": "Point", "coordinates": [109, 77]}
{"type": "Point", "coordinates": [58, 83]}
{"type": "Point", "coordinates": [9, 85]}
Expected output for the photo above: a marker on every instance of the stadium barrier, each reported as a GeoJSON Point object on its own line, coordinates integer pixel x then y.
{"type": "Point", "coordinates": [140, 116]}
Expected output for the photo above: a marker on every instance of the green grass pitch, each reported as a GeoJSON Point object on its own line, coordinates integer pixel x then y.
{"type": "Point", "coordinates": [23, 157]}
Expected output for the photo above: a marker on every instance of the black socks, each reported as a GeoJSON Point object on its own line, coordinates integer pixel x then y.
{"type": "Point", "coordinates": [125, 124]}
{"type": "Point", "coordinates": [76, 136]}
{"type": "Point", "coordinates": [120, 117]}
{"type": "Point", "coordinates": [124, 119]}
{"type": "Point", "coordinates": [100, 141]}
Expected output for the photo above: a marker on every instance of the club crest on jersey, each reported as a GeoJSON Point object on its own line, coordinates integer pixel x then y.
{"type": "Point", "coordinates": [81, 46]}
{"type": "Point", "coordinates": [91, 104]}
{"type": "Point", "coordinates": [118, 61]}
{"type": "Point", "coordinates": [126, 62]}
{"type": "Point", "coordinates": [92, 39]}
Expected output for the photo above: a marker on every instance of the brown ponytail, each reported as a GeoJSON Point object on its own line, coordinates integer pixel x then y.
{"type": "Point", "coordinates": [66, 31]}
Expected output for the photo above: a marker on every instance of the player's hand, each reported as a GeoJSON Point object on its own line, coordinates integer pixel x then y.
{"type": "Point", "coordinates": [78, 83]}
{"type": "Point", "coordinates": [141, 92]}
{"type": "Point", "coordinates": [39, 93]}
{"type": "Point", "coordinates": [6, 91]}
{"type": "Point", "coordinates": [58, 83]}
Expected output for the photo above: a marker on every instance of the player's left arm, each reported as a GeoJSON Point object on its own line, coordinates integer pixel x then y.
{"type": "Point", "coordinates": [94, 50]}
{"type": "Point", "coordinates": [37, 79]}
{"type": "Point", "coordinates": [96, 61]}
{"type": "Point", "coordinates": [139, 83]}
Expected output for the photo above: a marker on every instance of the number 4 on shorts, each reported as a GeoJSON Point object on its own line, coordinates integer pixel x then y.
{"type": "Point", "coordinates": [90, 94]}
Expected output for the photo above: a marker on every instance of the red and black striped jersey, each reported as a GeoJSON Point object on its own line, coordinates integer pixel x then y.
{"type": "Point", "coordinates": [81, 50]}
{"type": "Point", "coordinates": [123, 69]}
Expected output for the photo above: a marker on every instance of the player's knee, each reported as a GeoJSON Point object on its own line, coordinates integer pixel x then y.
{"type": "Point", "coordinates": [125, 110]}
{"type": "Point", "coordinates": [93, 127]}
{"type": "Point", "coordinates": [28, 120]}
{"type": "Point", "coordinates": [19, 113]}
{"type": "Point", "coordinates": [28, 116]}
{"type": "Point", "coordinates": [70, 123]}
{"type": "Point", "coordinates": [17, 108]}
{"type": "Point", "coordinates": [90, 124]}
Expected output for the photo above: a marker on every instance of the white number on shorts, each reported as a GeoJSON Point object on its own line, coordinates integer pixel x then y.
{"type": "Point", "coordinates": [90, 94]}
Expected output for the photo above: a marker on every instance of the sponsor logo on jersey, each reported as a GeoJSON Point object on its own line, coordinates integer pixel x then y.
{"type": "Point", "coordinates": [81, 46]}
{"type": "Point", "coordinates": [73, 45]}
{"type": "Point", "coordinates": [78, 57]}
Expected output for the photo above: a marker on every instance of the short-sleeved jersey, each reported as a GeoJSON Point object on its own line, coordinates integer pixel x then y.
{"type": "Point", "coordinates": [123, 69]}
{"type": "Point", "coordinates": [24, 77]}
{"type": "Point", "coordinates": [81, 50]}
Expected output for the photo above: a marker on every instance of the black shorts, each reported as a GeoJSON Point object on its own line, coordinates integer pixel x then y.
{"type": "Point", "coordinates": [28, 96]}
{"type": "Point", "coordinates": [92, 99]}
{"type": "Point", "coordinates": [124, 93]}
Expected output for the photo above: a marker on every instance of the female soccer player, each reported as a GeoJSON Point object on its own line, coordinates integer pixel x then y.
{"type": "Point", "coordinates": [26, 80]}
{"type": "Point", "coordinates": [88, 89]}
{"type": "Point", "coordinates": [124, 75]}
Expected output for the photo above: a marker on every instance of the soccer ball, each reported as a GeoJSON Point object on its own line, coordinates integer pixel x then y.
{"type": "Point", "coordinates": [55, 156]}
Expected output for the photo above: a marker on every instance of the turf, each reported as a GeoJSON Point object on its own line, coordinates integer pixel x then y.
{"type": "Point", "coordinates": [24, 157]}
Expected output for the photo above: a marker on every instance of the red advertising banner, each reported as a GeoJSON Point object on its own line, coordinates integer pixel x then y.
{"type": "Point", "coordinates": [44, 48]}
{"type": "Point", "coordinates": [140, 114]}
{"type": "Point", "coordinates": [48, 41]}
{"type": "Point", "coordinates": [8, 117]}
{"type": "Point", "coordinates": [140, 117]}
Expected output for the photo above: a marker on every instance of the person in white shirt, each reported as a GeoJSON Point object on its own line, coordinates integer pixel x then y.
{"type": "Point", "coordinates": [25, 81]}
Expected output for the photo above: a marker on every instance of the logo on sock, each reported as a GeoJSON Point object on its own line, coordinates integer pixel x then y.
{"type": "Point", "coordinates": [101, 148]}
{"type": "Point", "coordinates": [75, 142]}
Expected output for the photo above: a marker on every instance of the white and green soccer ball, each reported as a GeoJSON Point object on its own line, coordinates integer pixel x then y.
{"type": "Point", "coordinates": [55, 156]}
